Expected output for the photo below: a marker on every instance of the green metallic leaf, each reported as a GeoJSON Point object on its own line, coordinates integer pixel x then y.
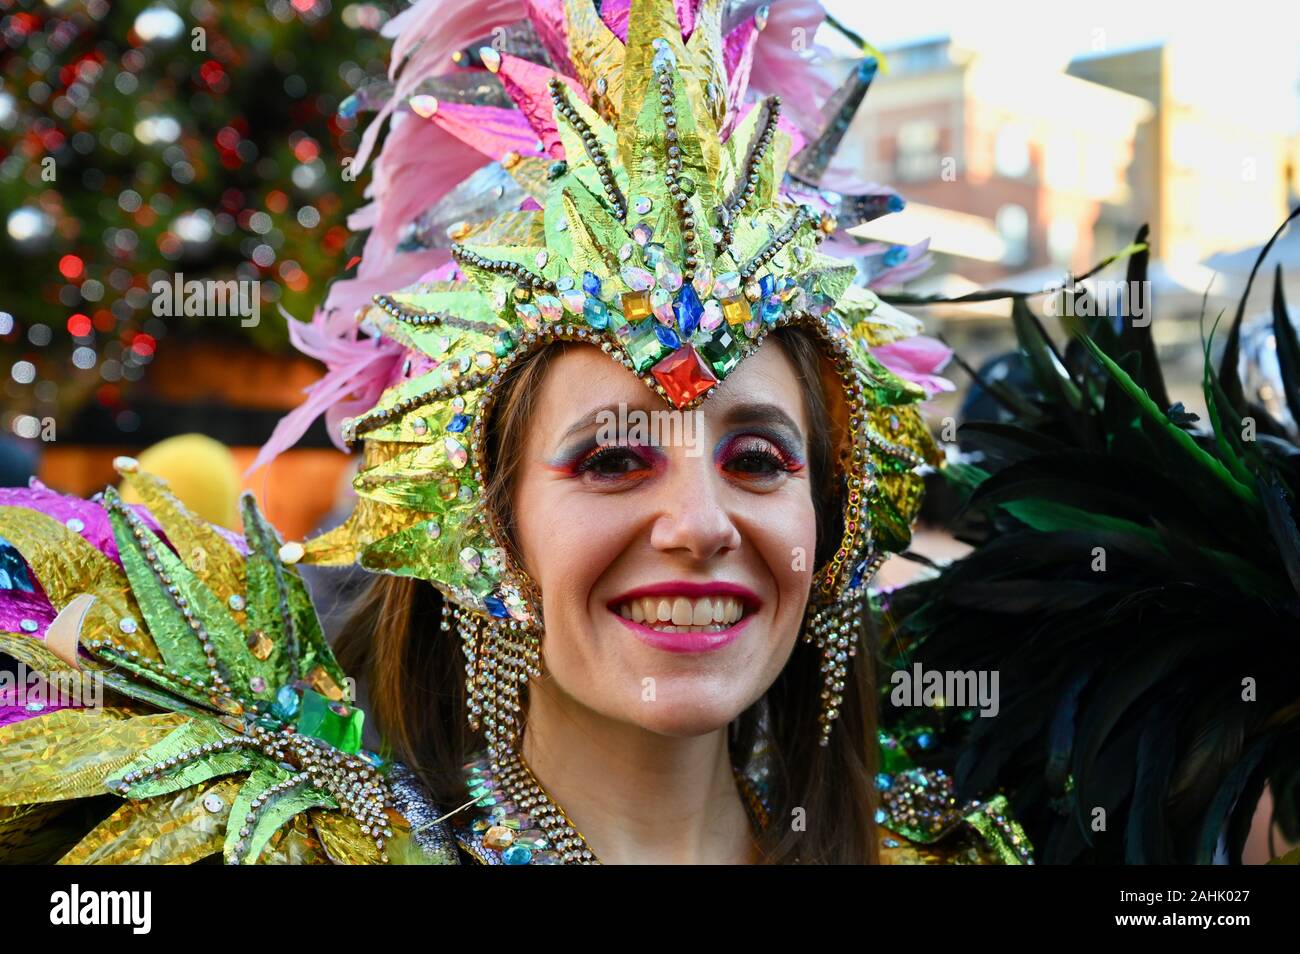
{"type": "Point", "coordinates": [272, 816]}
{"type": "Point", "coordinates": [179, 646]}
{"type": "Point", "coordinates": [192, 734]}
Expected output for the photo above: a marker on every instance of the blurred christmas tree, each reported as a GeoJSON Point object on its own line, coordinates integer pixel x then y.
{"type": "Point", "coordinates": [139, 140]}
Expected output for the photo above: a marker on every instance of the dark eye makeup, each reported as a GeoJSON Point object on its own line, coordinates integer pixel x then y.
{"type": "Point", "coordinates": [757, 456]}
{"type": "Point", "coordinates": [752, 455]}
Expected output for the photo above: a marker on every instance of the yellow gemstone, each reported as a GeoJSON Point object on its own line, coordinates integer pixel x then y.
{"type": "Point", "coordinates": [260, 644]}
{"type": "Point", "coordinates": [498, 837]}
{"type": "Point", "coordinates": [736, 310]}
{"type": "Point", "coordinates": [636, 305]}
{"type": "Point", "coordinates": [324, 683]}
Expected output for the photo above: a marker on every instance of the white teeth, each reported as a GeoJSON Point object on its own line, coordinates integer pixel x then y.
{"type": "Point", "coordinates": [680, 614]}
{"type": "Point", "coordinates": [703, 613]}
{"type": "Point", "coordinates": [683, 615]}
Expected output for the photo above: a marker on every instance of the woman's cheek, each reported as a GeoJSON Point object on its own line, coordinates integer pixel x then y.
{"type": "Point", "coordinates": [574, 541]}
{"type": "Point", "coordinates": [786, 536]}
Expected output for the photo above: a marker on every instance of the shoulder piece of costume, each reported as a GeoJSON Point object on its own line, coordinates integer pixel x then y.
{"type": "Point", "coordinates": [175, 698]}
{"type": "Point", "coordinates": [922, 821]}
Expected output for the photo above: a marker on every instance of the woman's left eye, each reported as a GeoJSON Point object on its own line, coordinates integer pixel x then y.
{"type": "Point", "coordinates": [756, 457]}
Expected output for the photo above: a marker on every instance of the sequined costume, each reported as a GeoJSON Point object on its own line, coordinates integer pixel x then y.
{"type": "Point", "coordinates": [634, 195]}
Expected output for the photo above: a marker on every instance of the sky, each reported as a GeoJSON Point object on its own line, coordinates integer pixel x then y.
{"type": "Point", "coordinates": [1251, 48]}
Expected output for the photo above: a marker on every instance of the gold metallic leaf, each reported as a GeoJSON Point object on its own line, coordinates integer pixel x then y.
{"type": "Point", "coordinates": [174, 829]}
{"type": "Point", "coordinates": [596, 53]}
{"type": "Point", "coordinates": [532, 173]}
{"type": "Point", "coordinates": [648, 20]}
{"type": "Point", "coordinates": [35, 655]}
{"type": "Point", "coordinates": [209, 555]}
{"type": "Point", "coordinates": [343, 840]}
{"type": "Point", "coordinates": [67, 566]}
{"type": "Point", "coordinates": [294, 844]}
{"type": "Point", "coordinates": [508, 228]}
{"type": "Point", "coordinates": [69, 752]}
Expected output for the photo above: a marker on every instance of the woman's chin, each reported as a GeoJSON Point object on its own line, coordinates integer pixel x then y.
{"type": "Point", "coordinates": [686, 706]}
{"type": "Point", "coordinates": [685, 725]}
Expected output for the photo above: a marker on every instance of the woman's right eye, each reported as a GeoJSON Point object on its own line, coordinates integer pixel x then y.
{"type": "Point", "coordinates": [612, 462]}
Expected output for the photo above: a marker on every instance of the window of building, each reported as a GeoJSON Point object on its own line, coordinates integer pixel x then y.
{"type": "Point", "coordinates": [918, 151]}
{"type": "Point", "coordinates": [1011, 151]}
{"type": "Point", "coordinates": [1012, 223]}
{"type": "Point", "coordinates": [1062, 239]}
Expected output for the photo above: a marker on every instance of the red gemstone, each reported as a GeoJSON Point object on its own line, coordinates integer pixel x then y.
{"type": "Point", "coordinates": [684, 375]}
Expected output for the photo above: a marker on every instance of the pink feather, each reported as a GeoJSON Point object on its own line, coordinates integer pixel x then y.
{"type": "Point", "coordinates": [528, 84]}
{"type": "Point", "coordinates": [917, 359]}
{"type": "Point", "coordinates": [359, 368]}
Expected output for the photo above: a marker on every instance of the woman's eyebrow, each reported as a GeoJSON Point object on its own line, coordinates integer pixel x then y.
{"type": "Point", "coordinates": [761, 413]}
{"type": "Point", "coordinates": [602, 413]}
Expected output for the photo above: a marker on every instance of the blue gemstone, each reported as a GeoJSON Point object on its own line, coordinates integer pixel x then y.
{"type": "Point", "coordinates": [590, 283]}
{"type": "Point", "coordinates": [458, 423]}
{"type": "Point", "coordinates": [867, 69]}
{"type": "Point", "coordinates": [881, 817]}
{"type": "Point", "coordinates": [858, 571]}
{"type": "Point", "coordinates": [286, 703]}
{"type": "Point", "coordinates": [771, 310]}
{"type": "Point", "coordinates": [895, 256]}
{"type": "Point", "coordinates": [884, 780]}
{"type": "Point", "coordinates": [896, 203]}
{"type": "Point", "coordinates": [766, 285]}
{"type": "Point", "coordinates": [689, 310]}
{"type": "Point", "coordinates": [496, 607]}
{"type": "Point", "coordinates": [924, 740]}
{"type": "Point", "coordinates": [349, 108]}
{"type": "Point", "coordinates": [516, 855]}
{"type": "Point", "coordinates": [667, 337]}
{"type": "Point", "coordinates": [595, 312]}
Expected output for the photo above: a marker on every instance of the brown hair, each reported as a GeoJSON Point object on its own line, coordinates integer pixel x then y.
{"type": "Point", "coordinates": [415, 676]}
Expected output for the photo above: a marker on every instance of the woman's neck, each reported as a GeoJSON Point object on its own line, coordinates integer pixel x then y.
{"type": "Point", "coordinates": [637, 797]}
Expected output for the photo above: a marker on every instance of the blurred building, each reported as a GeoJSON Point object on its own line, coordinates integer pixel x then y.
{"type": "Point", "coordinates": [1220, 169]}
{"type": "Point", "coordinates": [1021, 168]}
{"type": "Point", "coordinates": [1006, 169]}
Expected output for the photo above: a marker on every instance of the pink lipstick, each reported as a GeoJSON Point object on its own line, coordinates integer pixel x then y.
{"type": "Point", "coordinates": [684, 617]}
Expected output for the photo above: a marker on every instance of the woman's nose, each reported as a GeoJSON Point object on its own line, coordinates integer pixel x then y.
{"type": "Point", "coordinates": [693, 514]}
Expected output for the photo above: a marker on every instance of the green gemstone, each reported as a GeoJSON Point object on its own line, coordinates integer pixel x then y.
{"type": "Point", "coordinates": [335, 723]}
{"type": "Point", "coordinates": [721, 349]}
{"type": "Point", "coordinates": [643, 346]}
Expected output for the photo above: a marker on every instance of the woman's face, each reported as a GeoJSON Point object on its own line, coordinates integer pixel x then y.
{"type": "Point", "coordinates": [673, 549]}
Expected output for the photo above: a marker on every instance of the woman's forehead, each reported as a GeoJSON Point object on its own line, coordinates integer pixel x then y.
{"type": "Point", "coordinates": [583, 378]}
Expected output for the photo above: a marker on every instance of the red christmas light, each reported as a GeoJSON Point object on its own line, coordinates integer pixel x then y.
{"type": "Point", "coordinates": [70, 267]}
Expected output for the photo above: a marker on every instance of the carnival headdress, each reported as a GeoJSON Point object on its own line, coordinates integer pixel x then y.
{"type": "Point", "coordinates": [654, 217]}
